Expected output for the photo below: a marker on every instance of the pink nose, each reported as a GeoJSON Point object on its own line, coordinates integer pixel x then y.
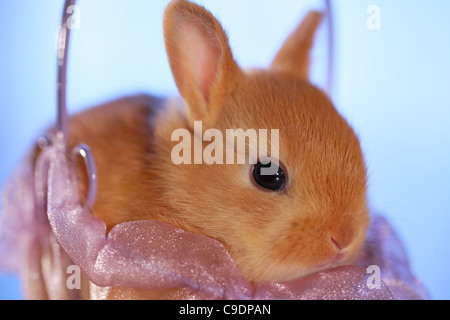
{"type": "Point", "coordinates": [340, 256]}
{"type": "Point", "coordinates": [341, 236]}
{"type": "Point", "coordinates": [336, 244]}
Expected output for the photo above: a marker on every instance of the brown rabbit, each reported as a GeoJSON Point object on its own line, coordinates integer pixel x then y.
{"type": "Point", "coordinates": [309, 216]}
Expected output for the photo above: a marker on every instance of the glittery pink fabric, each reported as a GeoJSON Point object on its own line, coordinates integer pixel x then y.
{"type": "Point", "coordinates": [153, 255]}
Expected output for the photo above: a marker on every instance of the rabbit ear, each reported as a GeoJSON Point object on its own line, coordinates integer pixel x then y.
{"type": "Point", "coordinates": [293, 56]}
{"type": "Point", "coordinates": [200, 57]}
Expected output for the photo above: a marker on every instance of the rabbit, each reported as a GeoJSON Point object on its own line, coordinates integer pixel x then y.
{"type": "Point", "coordinates": [309, 216]}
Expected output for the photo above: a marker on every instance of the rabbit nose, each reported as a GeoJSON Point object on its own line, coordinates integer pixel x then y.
{"type": "Point", "coordinates": [341, 237]}
{"type": "Point", "coordinates": [335, 243]}
{"type": "Point", "coordinates": [340, 254]}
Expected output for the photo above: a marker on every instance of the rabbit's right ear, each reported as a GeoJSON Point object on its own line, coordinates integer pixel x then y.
{"type": "Point", "coordinates": [200, 58]}
{"type": "Point", "coordinates": [293, 57]}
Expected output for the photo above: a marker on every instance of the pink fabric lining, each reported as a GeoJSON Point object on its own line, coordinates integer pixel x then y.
{"type": "Point", "coordinates": [151, 254]}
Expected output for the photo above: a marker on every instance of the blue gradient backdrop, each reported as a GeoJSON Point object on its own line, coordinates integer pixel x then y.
{"type": "Point", "coordinates": [392, 84]}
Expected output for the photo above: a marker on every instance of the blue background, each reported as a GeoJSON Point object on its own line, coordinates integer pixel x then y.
{"type": "Point", "coordinates": [392, 84]}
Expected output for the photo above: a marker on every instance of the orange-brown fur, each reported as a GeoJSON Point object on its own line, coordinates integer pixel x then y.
{"type": "Point", "coordinates": [273, 236]}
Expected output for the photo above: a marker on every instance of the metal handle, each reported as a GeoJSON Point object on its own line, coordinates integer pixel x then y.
{"type": "Point", "coordinates": [61, 122]}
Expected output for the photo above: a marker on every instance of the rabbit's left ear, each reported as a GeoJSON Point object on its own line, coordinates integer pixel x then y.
{"type": "Point", "coordinates": [199, 56]}
{"type": "Point", "coordinates": [293, 57]}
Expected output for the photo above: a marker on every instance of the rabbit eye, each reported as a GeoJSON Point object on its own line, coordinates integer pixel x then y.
{"type": "Point", "coordinates": [272, 179]}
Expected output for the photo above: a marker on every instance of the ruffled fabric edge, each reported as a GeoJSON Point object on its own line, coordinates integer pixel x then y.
{"type": "Point", "coordinates": [152, 255]}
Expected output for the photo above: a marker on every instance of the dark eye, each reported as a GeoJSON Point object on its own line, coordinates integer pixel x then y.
{"type": "Point", "coordinates": [269, 176]}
